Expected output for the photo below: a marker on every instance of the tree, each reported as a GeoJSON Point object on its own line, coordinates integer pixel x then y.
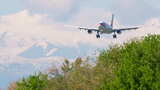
{"type": "Point", "coordinates": [33, 82]}
{"type": "Point", "coordinates": [138, 66]}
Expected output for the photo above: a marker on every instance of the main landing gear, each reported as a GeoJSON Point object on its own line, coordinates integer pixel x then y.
{"type": "Point", "coordinates": [98, 35]}
{"type": "Point", "coordinates": [114, 35]}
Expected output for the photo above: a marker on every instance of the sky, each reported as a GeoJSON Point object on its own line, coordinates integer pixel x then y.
{"type": "Point", "coordinates": [63, 10]}
{"type": "Point", "coordinates": [33, 33]}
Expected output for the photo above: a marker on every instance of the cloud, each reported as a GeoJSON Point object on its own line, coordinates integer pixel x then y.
{"type": "Point", "coordinates": [151, 26]}
{"type": "Point", "coordinates": [88, 18]}
{"type": "Point", "coordinates": [52, 5]}
{"type": "Point", "coordinates": [63, 10]}
{"type": "Point", "coordinates": [22, 25]}
{"type": "Point", "coordinates": [153, 22]}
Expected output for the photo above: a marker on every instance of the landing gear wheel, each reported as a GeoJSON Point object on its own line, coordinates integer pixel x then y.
{"type": "Point", "coordinates": [114, 36]}
{"type": "Point", "coordinates": [98, 36]}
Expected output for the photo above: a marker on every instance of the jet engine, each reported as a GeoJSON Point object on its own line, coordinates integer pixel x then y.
{"type": "Point", "coordinates": [119, 31]}
{"type": "Point", "coordinates": [89, 31]}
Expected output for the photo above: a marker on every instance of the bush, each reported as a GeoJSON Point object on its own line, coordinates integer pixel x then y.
{"type": "Point", "coordinates": [75, 76]}
{"type": "Point", "coordinates": [33, 82]}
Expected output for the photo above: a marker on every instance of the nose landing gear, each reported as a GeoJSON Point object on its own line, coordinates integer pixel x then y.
{"type": "Point", "coordinates": [114, 36]}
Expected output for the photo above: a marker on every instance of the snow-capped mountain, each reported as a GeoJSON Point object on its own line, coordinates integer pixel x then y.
{"type": "Point", "coordinates": [21, 56]}
{"type": "Point", "coordinates": [46, 49]}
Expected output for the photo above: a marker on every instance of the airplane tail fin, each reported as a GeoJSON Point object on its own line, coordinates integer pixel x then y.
{"type": "Point", "coordinates": [112, 21]}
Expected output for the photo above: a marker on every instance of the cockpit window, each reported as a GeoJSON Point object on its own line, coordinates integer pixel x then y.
{"type": "Point", "coordinates": [103, 24]}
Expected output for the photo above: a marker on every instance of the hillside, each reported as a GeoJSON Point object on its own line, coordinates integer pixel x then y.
{"type": "Point", "coordinates": [132, 66]}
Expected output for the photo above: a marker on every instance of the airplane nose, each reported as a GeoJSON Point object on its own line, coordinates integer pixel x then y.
{"type": "Point", "coordinates": [100, 27]}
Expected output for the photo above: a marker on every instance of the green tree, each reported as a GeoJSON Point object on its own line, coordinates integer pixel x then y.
{"type": "Point", "coordinates": [33, 82]}
{"type": "Point", "coordinates": [138, 66]}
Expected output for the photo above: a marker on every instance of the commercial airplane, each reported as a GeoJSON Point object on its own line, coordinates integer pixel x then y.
{"type": "Point", "coordinates": [104, 28]}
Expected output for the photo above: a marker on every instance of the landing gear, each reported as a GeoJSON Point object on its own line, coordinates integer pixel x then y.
{"type": "Point", "coordinates": [114, 36]}
{"type": "Point", "coordinates": [98, 36]}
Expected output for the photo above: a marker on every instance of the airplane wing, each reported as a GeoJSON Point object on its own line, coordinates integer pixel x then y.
{"type": "Point", "coordinates": [82, 28]}
{"type": "Point", "coordinates": [87, 29]}
{"type": "Point", "coordinates": [124, 29]}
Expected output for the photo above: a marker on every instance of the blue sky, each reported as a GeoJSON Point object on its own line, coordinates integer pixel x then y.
{"type": "Point", "coordinates": [28, 26]}
{"type": "Point", "coordinates": [11, 6]}
{"type": "Point", "coordinates": [125, 10]}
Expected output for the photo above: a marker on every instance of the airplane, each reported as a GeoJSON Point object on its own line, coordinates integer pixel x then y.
{"type": "Point", "coordinates": [105, 28]}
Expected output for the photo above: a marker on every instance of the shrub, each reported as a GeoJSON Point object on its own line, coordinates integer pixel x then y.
{"type": "Point", "coordinates": [33, 82]}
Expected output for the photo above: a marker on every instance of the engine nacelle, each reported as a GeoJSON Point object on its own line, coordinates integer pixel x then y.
{"type": "Point", "coordinates": [119, 31]}
{"type": "Point", "coordinates": [89, 31]}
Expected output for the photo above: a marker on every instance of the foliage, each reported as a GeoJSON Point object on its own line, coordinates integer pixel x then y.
{"type": "Point", "coordinates": [75, 76]}
{"type": "Point", "coordinates": [132, 66]}
{"type": "Point", "coordinates": [33, 82]}
{"type": "Point", "coordinates": [138, 66]}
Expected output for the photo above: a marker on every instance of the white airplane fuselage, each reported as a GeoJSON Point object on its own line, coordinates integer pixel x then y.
{"type": "Point", "coordinates": [105, 28]}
